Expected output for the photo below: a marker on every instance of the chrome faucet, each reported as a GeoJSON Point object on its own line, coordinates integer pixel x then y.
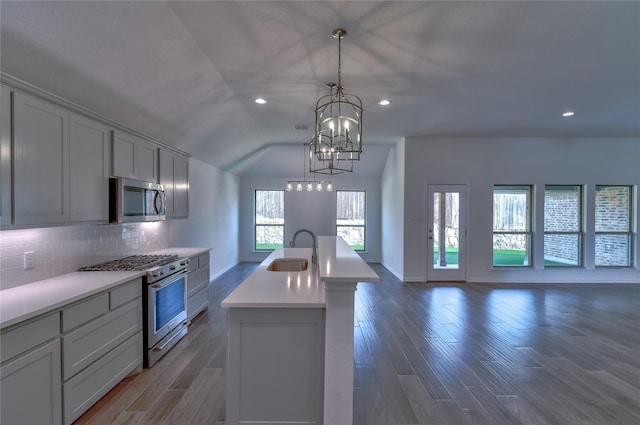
{"type": "Point", "coordinates": [314, 255]}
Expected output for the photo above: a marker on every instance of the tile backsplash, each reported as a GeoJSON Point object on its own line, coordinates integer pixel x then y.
{"type": "Point", "coordinates": [61, 250]}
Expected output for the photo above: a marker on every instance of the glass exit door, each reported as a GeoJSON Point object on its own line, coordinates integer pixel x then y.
{"type": "Point", "coordinates": [446, 233]}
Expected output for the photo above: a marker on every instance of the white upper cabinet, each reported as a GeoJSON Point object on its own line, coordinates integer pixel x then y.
{"type": "Point", "coordinates": [134, 157]}
{"type": "Point", "coordinates": [5, 156]}
{"type": "Point", "coordinates": [56, 159]}
{"type": "Point", "coordinates": [90, 157]}
{"type": "Point", "coordinates": [41, 161]}
{"type": "Point", "coordinates": [174, 176]}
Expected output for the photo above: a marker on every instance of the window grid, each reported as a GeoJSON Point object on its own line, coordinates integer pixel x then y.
{"type": "Point", "coordinates": [351, 218]}
{"type": "Point", "coordinates": [268, 220]}
{"type": "Point", "coordinates": [563, 226]}
{"type": "Point", "coordinates": [613, 226]}
{"type": "Point", "coordinates": [512, 226]}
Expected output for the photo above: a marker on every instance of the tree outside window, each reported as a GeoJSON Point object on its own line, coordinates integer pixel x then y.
{"type": "Point", "coordinates": [511, 226]}
{"type": "Point", "coordinates": [269, 219]}
{"type": "Point", "coordinates": [351, 217]}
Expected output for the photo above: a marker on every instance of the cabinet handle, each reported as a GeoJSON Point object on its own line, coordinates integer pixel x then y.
{"type": "Point", "coordinates": [170, 339]}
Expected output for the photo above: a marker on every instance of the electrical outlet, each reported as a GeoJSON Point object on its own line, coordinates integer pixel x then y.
{"type": "Point", "coordinates": [29, 260]}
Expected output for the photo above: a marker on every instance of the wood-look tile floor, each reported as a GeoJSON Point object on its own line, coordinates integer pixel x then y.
{"type": "Point", "coordinates": [449, 353]}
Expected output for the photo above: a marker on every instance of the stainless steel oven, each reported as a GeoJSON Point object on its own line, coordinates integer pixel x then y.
{"type": "Point", "coordinates": [166, 309]}
{"type": "Point", "coordinates": [164, 299]}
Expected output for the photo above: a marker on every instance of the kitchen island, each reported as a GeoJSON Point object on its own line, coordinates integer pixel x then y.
{"type": "Point", "coordinates": [290, 347]}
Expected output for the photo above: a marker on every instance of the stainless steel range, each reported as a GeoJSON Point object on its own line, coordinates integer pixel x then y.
{"type": "Point", "coordinates": [165, 295]}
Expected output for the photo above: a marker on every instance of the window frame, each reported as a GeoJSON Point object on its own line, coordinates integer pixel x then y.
{"type": "Point", "coordinates": [528, 233]}
{"type": "Point", "coordinates": [629, 233]}
{"type": "Point", "coordinates": [363, 226]}
{"type": "Point", "coordinates": [581, 227]}
{"type": "Point", "coordinates": [256, 224]}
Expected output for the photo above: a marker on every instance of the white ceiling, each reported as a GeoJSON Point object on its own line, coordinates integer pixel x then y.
{"type": "Point", "coordinates": [186, 73]}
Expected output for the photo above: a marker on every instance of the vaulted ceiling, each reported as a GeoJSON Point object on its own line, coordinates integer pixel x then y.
{"type": "Point", "coordinates": [187, 73]}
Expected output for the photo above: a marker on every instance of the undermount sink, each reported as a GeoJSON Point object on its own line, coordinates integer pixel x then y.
{"type": "Point", "coordinates": [288, 265]}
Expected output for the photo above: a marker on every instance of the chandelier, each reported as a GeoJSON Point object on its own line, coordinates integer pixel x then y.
{"type": "Point", "coordinates": [337, 139]}
{"type": "Point", "coordinates": [308, 185]}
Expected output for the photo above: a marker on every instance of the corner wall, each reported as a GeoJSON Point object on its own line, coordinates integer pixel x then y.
{"type": "Point", "coordinates": [213, 216]}
{"type": "Point", "coordinates": [393, 200]}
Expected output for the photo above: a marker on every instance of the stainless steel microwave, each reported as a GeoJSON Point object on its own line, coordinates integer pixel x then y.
{"type": "Point", "coordinates": [135, 201]}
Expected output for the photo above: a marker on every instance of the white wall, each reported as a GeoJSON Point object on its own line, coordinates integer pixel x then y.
{"type": "Point", "coordinates": [393, 210]}
{"type": "Point", "coordinates": [213, 216]}
{"type": "Point", "coordinates": [315, 211]}
{"type": "Point", "coordinates": [481, 163]}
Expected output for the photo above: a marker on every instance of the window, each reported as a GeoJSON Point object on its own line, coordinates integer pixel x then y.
{"type": "Point", "coordinates": [350, 217]}
{"type": "Point", "coordinates": [269, 219]}
{"type": "Point", "coordinates": [613, 226]}
{"type": "Point", "coordinates": [562, 226]}
{"type": "Point", "coordinates": [511, 226]}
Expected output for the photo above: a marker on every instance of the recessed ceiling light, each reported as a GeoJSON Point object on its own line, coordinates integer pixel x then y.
{"type": "Point", "coordinates": [384, 102]}
{"type": "Point", "coordinates": [260, 101]}
{"type": "Point", "coordinates": [568, 114]}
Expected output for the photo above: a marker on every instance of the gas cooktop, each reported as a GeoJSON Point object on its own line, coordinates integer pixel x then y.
{"type": "Point", "coordinates": [132, 263]}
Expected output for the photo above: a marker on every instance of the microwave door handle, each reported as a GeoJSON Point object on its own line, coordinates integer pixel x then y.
{"type": "Point", "coordinates": [157, 202]}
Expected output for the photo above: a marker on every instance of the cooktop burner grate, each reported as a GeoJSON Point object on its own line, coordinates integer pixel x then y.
{"type": "Point", "coordinates": [132, 263]}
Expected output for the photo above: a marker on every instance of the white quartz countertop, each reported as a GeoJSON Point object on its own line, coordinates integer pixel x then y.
{"type": "Point", "coordinates": [337, 262]}
{"type": "Point", "coordinates": [340, 263]}
{"type": "Point", "coordinates": [182, 251]}
{"type": "Point", "coordinates": [30, 300]}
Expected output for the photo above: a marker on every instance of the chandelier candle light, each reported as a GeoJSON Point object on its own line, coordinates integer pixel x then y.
{"type": "Point", "coordinates": [337, 139]}
{"type": "Point", "coordinates": [307, 184]}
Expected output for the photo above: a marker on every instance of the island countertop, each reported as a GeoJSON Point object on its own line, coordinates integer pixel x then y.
{"type": "Point", "coordinates": [337, 262]}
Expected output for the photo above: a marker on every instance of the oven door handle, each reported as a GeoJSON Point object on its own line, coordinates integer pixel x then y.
{"type": "Point", "coordinates": [169, 280]}
{"type": "Point", "coordinates": [187, 323]}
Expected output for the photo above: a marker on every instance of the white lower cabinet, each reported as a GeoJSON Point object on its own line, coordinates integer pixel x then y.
{"type": "Point", "coordinates": [101, 343]}
{"type": "Point", "coordinates": [198, 285]}
{"type": "Point", "coordinates": [55, 366]}
{"type": "Point", "coordinates": [30, 372]}
{"type": "Point", "coordinates": [88, 386]}
{"type": "Point", "coordinates": [30, 387]}
{"type": "Point", "coordinates": [87, 344]}
{"type": "Point", "coordinates": [275, 366]}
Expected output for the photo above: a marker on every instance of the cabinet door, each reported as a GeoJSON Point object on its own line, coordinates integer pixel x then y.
{"type": "Point", "coordinates": [5, 156]}
{"type": "Point", "coordinates": [180, 186]}
{"type": "Point", "coordinates": [41, 161]}
{"type": "Point", "coordinates": [174, 176]}
{"type": "Point", "coordinates": [146, 161]}
{"type": "Point", "coordinates": [166, 179]}
{"type": "Point", "coordinates": [275, 365]}
{"type": "Point", "coordinates": [124, 154]}
{"type": "Point", "coordinates": [30, 387]}
{"type": "Point", "coordinates": [134, 157]}
{"type": "Point", "coordinates": [89, 169]}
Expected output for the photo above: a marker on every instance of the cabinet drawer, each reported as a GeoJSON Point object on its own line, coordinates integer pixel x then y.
{"type": "Point", "coordinates": [84, 311]}
{"type": "Point", "coordinates": [203, 259]}
{"type": "Point", "coordinates": [25, 337]}
{"type": "Point", "coordinates": [197, 280]}
{"type": "Point", "coordinates": [193, 263]}
{"type": "Point", "coordinates": [197, 302]}
{"type": "Point", "coordinates": [86, 388]}
{"type": "Point", "coordinates": [85, 345]}
{"type": "Point", "coordinates": [125, 293]}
